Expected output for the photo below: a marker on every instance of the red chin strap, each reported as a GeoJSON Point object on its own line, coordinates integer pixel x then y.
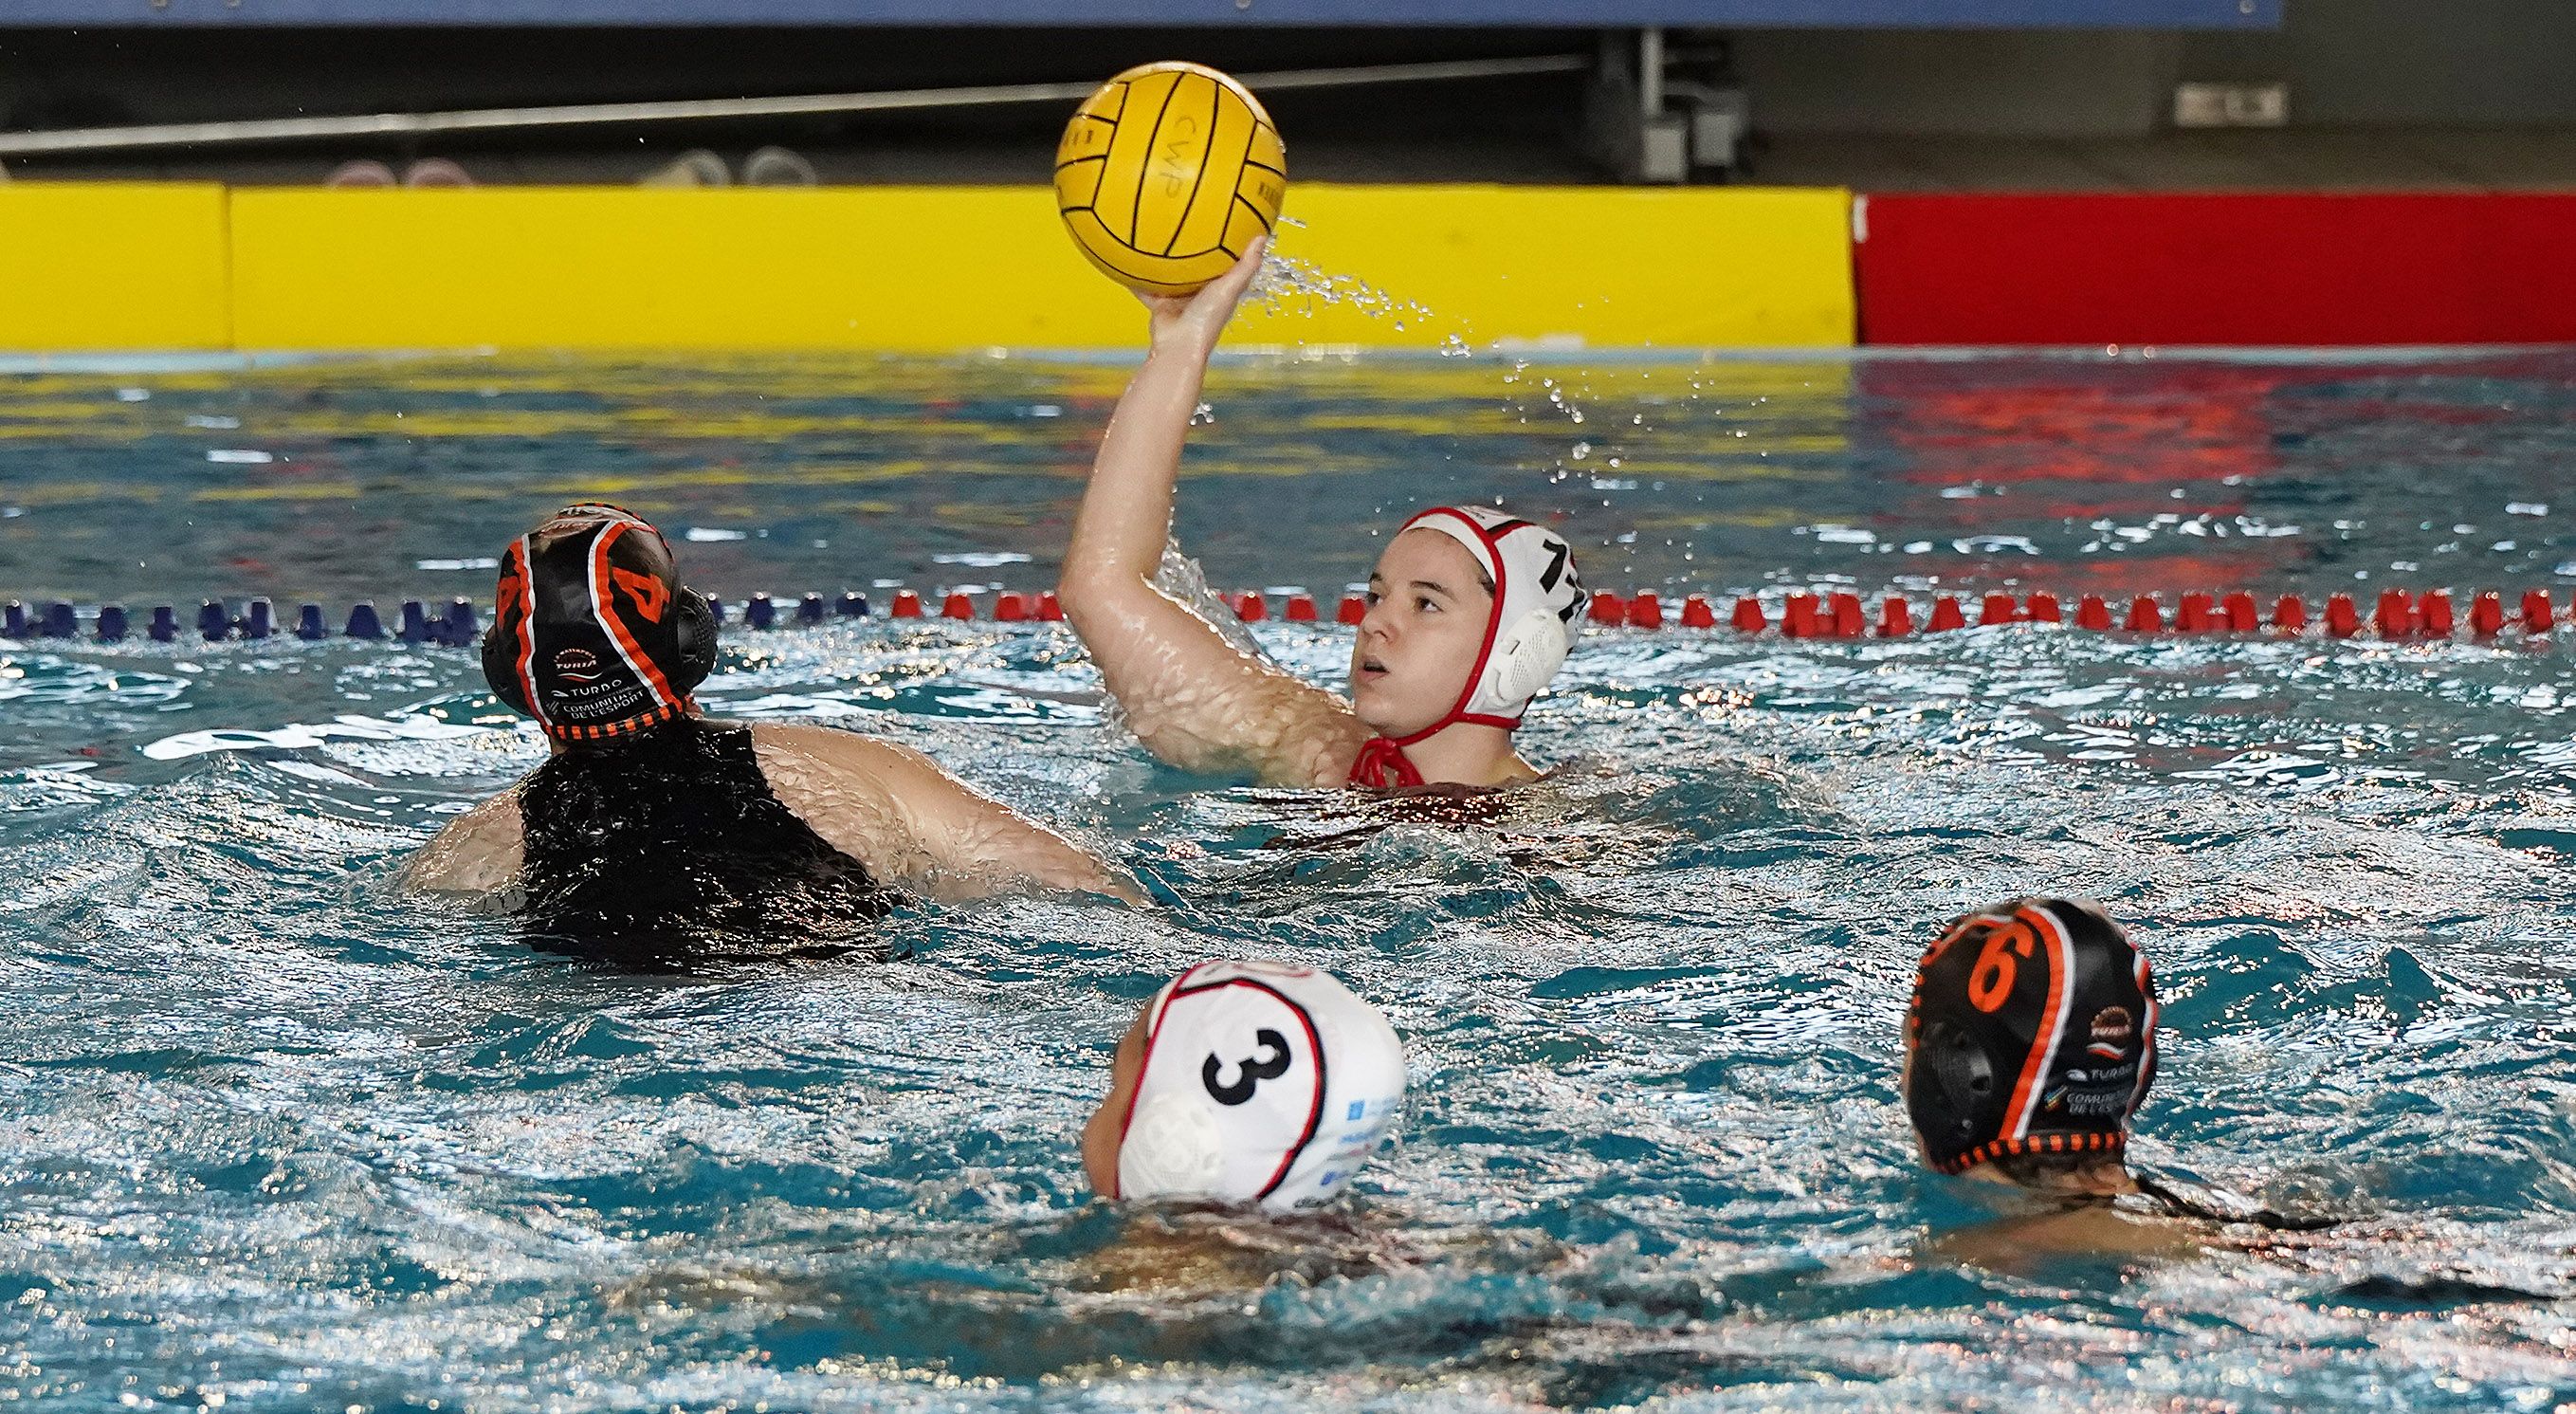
{"type": "Point", "coordinates": [1382, 764]}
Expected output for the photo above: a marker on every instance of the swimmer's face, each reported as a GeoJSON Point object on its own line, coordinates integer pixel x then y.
{"type": "Point", "coordinates": [1100, 1133]}
{"type": "Point", "coordinates": [1428, 607]}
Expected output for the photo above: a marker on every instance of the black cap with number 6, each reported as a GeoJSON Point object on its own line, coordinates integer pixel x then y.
{"type": "Point", "coordinates": [2032, 1031]}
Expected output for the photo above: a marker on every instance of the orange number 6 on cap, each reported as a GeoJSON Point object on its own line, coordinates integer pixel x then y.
{"type": "Point", "coordinates": [1991, 980]}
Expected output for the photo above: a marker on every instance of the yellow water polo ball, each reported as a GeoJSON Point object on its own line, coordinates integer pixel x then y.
{"type": "Point", "coordinates": [1167, 173]}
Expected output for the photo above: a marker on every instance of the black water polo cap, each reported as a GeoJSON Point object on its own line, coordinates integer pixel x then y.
{"type": "Point", "coordinates": [594, 635]}
{"type": "Point", "coordinates": [2032, 1032]}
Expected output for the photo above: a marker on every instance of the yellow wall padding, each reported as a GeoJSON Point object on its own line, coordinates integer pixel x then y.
{"type": "Point", "coordinates": [947, 269]}
{"type": "Point", "coordinates": [112, 265]}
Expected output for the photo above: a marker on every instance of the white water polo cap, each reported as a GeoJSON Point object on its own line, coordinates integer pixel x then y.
{"type": "Point", "coordinates": [1537, 599]}
{"type": "Point", "coordinates": [1261, 1083]}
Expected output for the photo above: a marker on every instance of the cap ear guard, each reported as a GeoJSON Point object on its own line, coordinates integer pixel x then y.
{"type": "Point", "coordinates": [1171, 1149]}
{"type": "Point", "coordinates": [693, 625]}
{"type": "Point", "coordinates": [1526, 656]}
{"type": "Point", "coordinates": [1965, 1076]}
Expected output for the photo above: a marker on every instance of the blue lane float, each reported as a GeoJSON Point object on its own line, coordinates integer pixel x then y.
{"type": "Point", "coordinates": [458, 625]}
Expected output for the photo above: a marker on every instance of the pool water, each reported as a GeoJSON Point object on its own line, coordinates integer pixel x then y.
{"type": "Point", "coordinates": [274, 1137]}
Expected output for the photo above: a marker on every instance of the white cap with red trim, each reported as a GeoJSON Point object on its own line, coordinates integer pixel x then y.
{"type": "Point", "coordinates": [1262, 1083]}
{"type": "Point", "coordinates": [1537, 599]}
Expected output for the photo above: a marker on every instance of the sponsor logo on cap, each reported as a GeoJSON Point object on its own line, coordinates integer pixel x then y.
{"type": "Point", "coordinates": [2113, 1029]}
{"type": "Point", "coordinates": [577, 664]}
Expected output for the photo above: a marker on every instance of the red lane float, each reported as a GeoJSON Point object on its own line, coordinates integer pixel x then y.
{"type": "Point", "coordinates": [1847, 618]}
{"type": "Point", "coordinates": [2433, 613]}
{"type": "Point", "coordinates": [1798, 617]}
{"type": "Point", "coordinates": [2272, 268]}
{"type": "Point", "coordinates": [2396, 614]}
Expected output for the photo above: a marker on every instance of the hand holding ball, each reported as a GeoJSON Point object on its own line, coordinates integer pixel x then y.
{"type": "Point", "coordinates": [1167, 174]}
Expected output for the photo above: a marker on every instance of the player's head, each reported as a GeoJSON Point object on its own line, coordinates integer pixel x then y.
{"type": "Point", "coordinates": [2030, 1042]}
{"type": "Point", "coordinates": [1246, 1082]}
{"type": "Point", "coordinates": [1471, 612]}
{"type": "Point", "coordinates": [595, 636]}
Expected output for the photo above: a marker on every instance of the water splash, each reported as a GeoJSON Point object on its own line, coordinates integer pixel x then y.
{"type": "Point", "coordinates": [1291, 284]}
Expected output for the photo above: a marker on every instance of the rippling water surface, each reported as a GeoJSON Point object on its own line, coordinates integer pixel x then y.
{"type": "Point", "coordinates": [273, 1137]}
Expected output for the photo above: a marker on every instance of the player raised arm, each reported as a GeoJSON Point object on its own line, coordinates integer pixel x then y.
{"type": "Point", "coordinates": [1191, 696]}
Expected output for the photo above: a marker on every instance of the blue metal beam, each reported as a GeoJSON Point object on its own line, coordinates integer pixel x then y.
{"type": "Point", "coordinates": [1219, 14]}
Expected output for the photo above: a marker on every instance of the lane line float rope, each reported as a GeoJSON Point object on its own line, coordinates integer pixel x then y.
{"type": "Point", "coordinates": [1832, 614]}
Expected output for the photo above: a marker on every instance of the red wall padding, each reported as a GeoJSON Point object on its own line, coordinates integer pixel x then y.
{"type": "Point", "coordinates": [2249, 268]}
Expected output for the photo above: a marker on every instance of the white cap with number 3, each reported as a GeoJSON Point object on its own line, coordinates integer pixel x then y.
{"type": "Point", "coordinates": [1261, 1083]}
